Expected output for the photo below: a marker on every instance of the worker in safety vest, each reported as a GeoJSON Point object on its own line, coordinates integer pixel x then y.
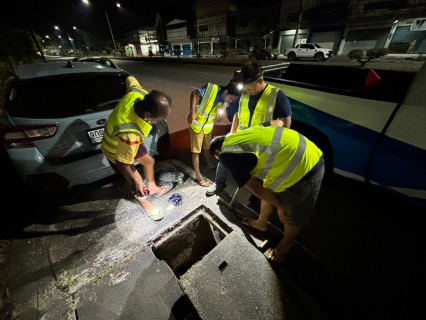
{"type": "Point", "coordinates": [125, 132]}
{"type": "Point", "coordinates": [290, 168]}
{"type": "Point", "coordinates": [259, 104]}
{"type": "Point", "coordinates": [204, 103]}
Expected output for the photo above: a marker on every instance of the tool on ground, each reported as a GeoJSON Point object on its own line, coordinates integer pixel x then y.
{"type": "Point", "coordinates": [176, 199]}
{"type": "Point", "coordinates": [231, 203]}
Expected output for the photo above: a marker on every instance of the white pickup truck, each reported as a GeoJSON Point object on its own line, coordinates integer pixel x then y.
{"type": "Point", "coordinates": [369, 123]}
{"type": "Point", "coordinates": [308, 51]}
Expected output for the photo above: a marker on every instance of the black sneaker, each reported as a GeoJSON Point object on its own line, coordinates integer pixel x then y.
{"type": "Point", "coordinates": [213, 189]}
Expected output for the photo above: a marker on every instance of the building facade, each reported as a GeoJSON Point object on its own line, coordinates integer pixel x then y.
{"type": "Point", "coordinates": [178, 41]}
{"type": "Point", "coordinates": [345, 25]}
{"type": "Point", "coordinates": [142, 42]}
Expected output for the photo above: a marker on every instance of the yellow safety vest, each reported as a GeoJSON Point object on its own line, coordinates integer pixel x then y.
{"type": "Point", "coordinates": [263, 112]}
{"type": "Point", "coordinates": [284, 156]}
{"type": "Point", "coordinates": [205, 114]}
{"type": "Point", "coordinates": [124, 119]}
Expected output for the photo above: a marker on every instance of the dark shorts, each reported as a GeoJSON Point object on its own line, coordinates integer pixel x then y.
{"type": "Point", "coordinates": [141, 152]}
{"type": "Point", "coordinates": [299, 199]}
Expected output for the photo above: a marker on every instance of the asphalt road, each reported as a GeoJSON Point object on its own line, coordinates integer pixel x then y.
{"type": "Point", "coordinates": [178, 80]}
{"type": "Point", "coordinates": [368, 245]}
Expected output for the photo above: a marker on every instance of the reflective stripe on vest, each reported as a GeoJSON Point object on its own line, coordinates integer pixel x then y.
{"type": "Point", "coordinates": [205, 120]}
{"type": "Point", "coordinates": [264, 110]}
{"type": "Point", "coordinates": [138, 90]}
{"type": "Point", "coordinates": [124, 119]}
{"type": "Point", "coordinates": [294, 162]}
{"type": "Point", "coordinates": [280, 163]}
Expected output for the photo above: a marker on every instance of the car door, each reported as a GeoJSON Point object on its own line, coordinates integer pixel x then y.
{"type": "Point", "coordinates": [304, 51]}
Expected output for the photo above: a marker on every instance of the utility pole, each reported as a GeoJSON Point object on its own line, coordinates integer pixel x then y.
{"type": "Point", "coordinates": [110, 30]}
{"type": "Point", "coordinates": [197, 49]}
{"type": "Point", "coordinates": [36, 42]}
{"type": "Point", "coordinates": [298, 23]}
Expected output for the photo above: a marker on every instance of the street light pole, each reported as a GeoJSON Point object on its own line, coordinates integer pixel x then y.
{"type": "Point", "coordinates": [110, 30]}
{"type": "Point", "coordinates": [109, 25]}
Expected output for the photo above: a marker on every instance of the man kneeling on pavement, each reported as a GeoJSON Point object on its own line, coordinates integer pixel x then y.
{"type": "Point", "coordinates": [291, 168]}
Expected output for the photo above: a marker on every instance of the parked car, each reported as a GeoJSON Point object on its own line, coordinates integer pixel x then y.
{"type": "Point", "coordinates": [104, 61]}
{"type": "Point", "coordinates": [308, 51]}
{"type": "Point", "coordinates": [52, 121]}
{"type": "Point", "coordinates": [262, 54]}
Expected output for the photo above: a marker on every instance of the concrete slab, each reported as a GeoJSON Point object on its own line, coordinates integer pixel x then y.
{"type": "Point", "coordinates": [234, 281]}
{"type": "Point", "coordinates": [140, 287]}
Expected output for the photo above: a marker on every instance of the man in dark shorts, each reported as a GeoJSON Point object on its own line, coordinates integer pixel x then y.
{"type": "Point", "coordinates": [282, 168]}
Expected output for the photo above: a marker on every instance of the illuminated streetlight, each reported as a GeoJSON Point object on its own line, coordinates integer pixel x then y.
{"type": "Point", "coordinates": [109, 25]}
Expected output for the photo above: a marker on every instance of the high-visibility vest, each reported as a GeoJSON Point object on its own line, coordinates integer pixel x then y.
{"type": "Point", "coordinates": [263, 112]}
{"type": "Point", "coordinates": [205, 114]}
{"type": "Point", "coordinates": [284, 156]}
{"type": "Point", "coordinates": [124, 119]}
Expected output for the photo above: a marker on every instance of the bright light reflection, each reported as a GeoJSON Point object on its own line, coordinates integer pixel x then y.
{"type": "Point", "coordinates": [170, 207]}
{"type": "Point", "coordinates": [118, 5]}
{"type": "Point", "coordinates": [56, 28]}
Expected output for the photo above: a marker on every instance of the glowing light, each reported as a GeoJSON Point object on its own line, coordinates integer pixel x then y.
{"type": "Point", "coordinates": [155, 211]}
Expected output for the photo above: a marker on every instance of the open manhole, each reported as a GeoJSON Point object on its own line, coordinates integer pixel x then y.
{"type": "Point", "coordinates": [187, 242]}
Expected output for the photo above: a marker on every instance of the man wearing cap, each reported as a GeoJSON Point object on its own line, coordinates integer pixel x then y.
{"type": "Point", "coordinates": [204, 103]}
{"type": "Point", "coordinates": [282, 168]}
{"type": "Point", "coordinates": [259, 104]}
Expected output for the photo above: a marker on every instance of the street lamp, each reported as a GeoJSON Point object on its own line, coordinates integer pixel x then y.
{"type": "Point", "coordinates": [61, 39]}
{"type": "Point", "coordinates": [109, 25]}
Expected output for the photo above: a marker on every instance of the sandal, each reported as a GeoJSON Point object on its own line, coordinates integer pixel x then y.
{"type": "Point", "coordinates": [276, 257]}
{"type": "Point", "coordinates": [153, 212]}
{"type": "Point", "coordinates": [246, 222]}
{"type": "Point", "coordinates": [204, 184]}
{"type": "Point", "coordinates": [164, 190]}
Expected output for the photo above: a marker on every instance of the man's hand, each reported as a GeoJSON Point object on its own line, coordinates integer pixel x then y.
{"type": "Point", "coordinates": [277, 123]}
{"type": "Point", "coordinates": [139, 189]}
{"type": "Point", "coordinates": [191, 117]}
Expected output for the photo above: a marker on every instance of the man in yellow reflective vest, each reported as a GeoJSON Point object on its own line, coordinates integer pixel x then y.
{"type": "Point", "coordinates": [259, 104]}
{"type": "Point", "coordinates": [125, 132]}
{"type": "Point", "coordinates": [290, 168]}
{"type": "Point", "coordinates": [204, 103]}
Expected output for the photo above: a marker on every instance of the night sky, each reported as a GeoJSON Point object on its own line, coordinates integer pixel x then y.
{"type": "Point", "coordinates": [43, 15]}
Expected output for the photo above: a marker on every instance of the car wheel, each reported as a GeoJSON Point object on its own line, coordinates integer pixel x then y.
{"type": "Point", "coordinates": [319, 57]}
{"type": "Point", "coordinates": [267, 57]}
{"type": "Point", "coordinates": [275, 56]}
{"type": "Point", "coordinates": [291, 56]}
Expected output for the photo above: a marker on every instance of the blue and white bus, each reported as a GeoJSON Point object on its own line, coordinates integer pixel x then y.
{"type": "Point", "coordinates": [370, 123]}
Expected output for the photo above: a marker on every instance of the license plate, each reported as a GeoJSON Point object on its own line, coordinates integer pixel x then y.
{"type": "Point", "coordinates": [96, 135]}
